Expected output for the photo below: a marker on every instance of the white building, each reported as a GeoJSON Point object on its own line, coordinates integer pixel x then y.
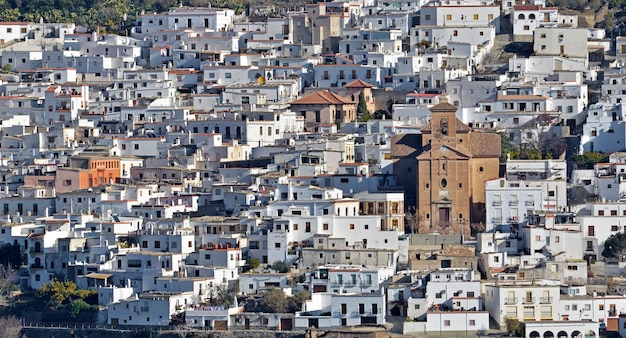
{"type": "Point", "coordinates": [326, 310]}
{"type": "Point", "coordinates": [526, 302]}
{"type": "Point", "coordinates": [525, 18]}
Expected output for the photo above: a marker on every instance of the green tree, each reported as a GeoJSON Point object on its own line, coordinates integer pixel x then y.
{"type": "Point", "coordinates": [11, 255]}
{"type": "Point", "coordinates": [534, 154]}
{"type": "Point", "coordinates": [254, 263]}
{"type": "Point", "coordinates": [514, 327]}
{"type": "Point", "coordinates": [280, 266]}
{"type": "Point", "coordinates": [221, 295]}
{"type": "Point", "coordinates": [588, 159]}
{"type": "Point", "coordinates": [362, 107]}
{"type": "Point", "coordinates": [57, 294]}
{"type": "Point", "coordinates": [615, 246]}
{"type": "Point", "coordinates": [77, 306]}
{"type": "Point", "coordinates": [294, 303]}
{"type": "Point", "coordinates": [390, 102]}
{"type": "Point", "coordinates": [505, 146]}
{"type": "Point", "coordinates": [609, 21]}
{"type": "Point", "coordinates": [274, 301]}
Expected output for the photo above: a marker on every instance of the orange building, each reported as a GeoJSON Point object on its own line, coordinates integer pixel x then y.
{"type": "Point", "coordinates": [86, 172]}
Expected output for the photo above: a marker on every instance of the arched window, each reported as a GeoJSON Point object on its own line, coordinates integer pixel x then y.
{"type": "Point", "coordinates": [521, 17]}
{"type": "Point", "coordinates": [531, 16]}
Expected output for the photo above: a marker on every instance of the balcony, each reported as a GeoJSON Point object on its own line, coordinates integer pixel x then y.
{"type": "Point", "coordinates": [510, 301]}
{"type": "Point", "coordinates": [529, 203]}
{"type": "Point", "coordinates": [512, 203]}
{"type": "Point", "coordinates": [496, 220]}
{"type": "Point", "coordinates": [36, 266]}
{"type": "Point", "coordinates": [496, 203]}
{"type": "Point", "coordinates": [546, 316]}
{"type": "Point", "coordinates": [545, 300]}
{"type": "Point", "coordinates": [528, 300]}
{"type": "Point", "coordinates": [612, 313]}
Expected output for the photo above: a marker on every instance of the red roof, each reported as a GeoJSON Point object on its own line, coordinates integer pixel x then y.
{"type": "Point", "coordinates": [526, 8]}
{"type": "Point", "coordinates": [358, 83]}
{"type": "Point", "coordinates": [323, 97]}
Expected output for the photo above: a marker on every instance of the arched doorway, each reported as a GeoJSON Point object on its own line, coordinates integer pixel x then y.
{"type": "Point", "coordinates": [561, 334]}
{"type": "Point", "coordinates": [37, 246]}
{"type": "Point", "coordinates": [577, 334]}
{"type": "Point", "coordinates": [535, 334]}
{"type": "Point", "coordinates": [548, 334]}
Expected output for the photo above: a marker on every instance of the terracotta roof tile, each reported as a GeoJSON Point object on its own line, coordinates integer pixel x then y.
{"type": "Point", "coordinates": [358, 83]}
{"type": "Point", "coordinates": [323, 97]}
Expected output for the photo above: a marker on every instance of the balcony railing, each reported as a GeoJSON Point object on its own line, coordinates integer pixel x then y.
{"type": "Point", "coordinates": [545, 300]}
{"type": "Point", "coordinates": [510, 301]}
{"type": "Point", "coordinates": [513, 202]}
{"type": "Point", "coordinates": [497, 203]}
{"type": "Point", "coordinates": [612, 313]}
{"type": "Point", "coordinates": [529, 300]}
{"type": "Point", "coordinates": [36, 266]}
{"type": "Point", "coordinates": [496, 219]}
{"type": "Point", "coordinates": [529, 203]}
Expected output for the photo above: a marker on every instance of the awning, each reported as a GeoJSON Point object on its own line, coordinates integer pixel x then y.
{"type": "Point", "coordinates": [99, 275]}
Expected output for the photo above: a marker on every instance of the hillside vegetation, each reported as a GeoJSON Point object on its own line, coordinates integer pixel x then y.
{"type": "Point", "coordinates": [103, 13]}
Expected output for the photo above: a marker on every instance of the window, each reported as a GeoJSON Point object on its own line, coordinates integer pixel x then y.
{"type": "Point", "coordinates": [427, 17]}
{"type": "Point", "coordinates": [277, 245]}
{"type": "Point", "coordinates": [448, 16]}
{"type": "Point", "coordinates": [475, 16]}
{"type": "Point", "coordinates": [325, 226]}
{"type": "Point", "coordinates": [228, 75]}
{"type": "Point", "coordinates": [613, 227]}
{"type": "Point", "coordinates": [351, 226]}
{"type": "Point", "coordinates": [472, 322]}
{"type": "Point", "coordinates": [446, 322]}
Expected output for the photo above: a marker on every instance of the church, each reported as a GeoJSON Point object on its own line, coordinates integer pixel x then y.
{"type": "Point", "coordinates": [444, 170]}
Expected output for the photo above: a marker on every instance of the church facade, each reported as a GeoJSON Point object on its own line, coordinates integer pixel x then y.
{"type": "Point", "coordinates": [452, 164]}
